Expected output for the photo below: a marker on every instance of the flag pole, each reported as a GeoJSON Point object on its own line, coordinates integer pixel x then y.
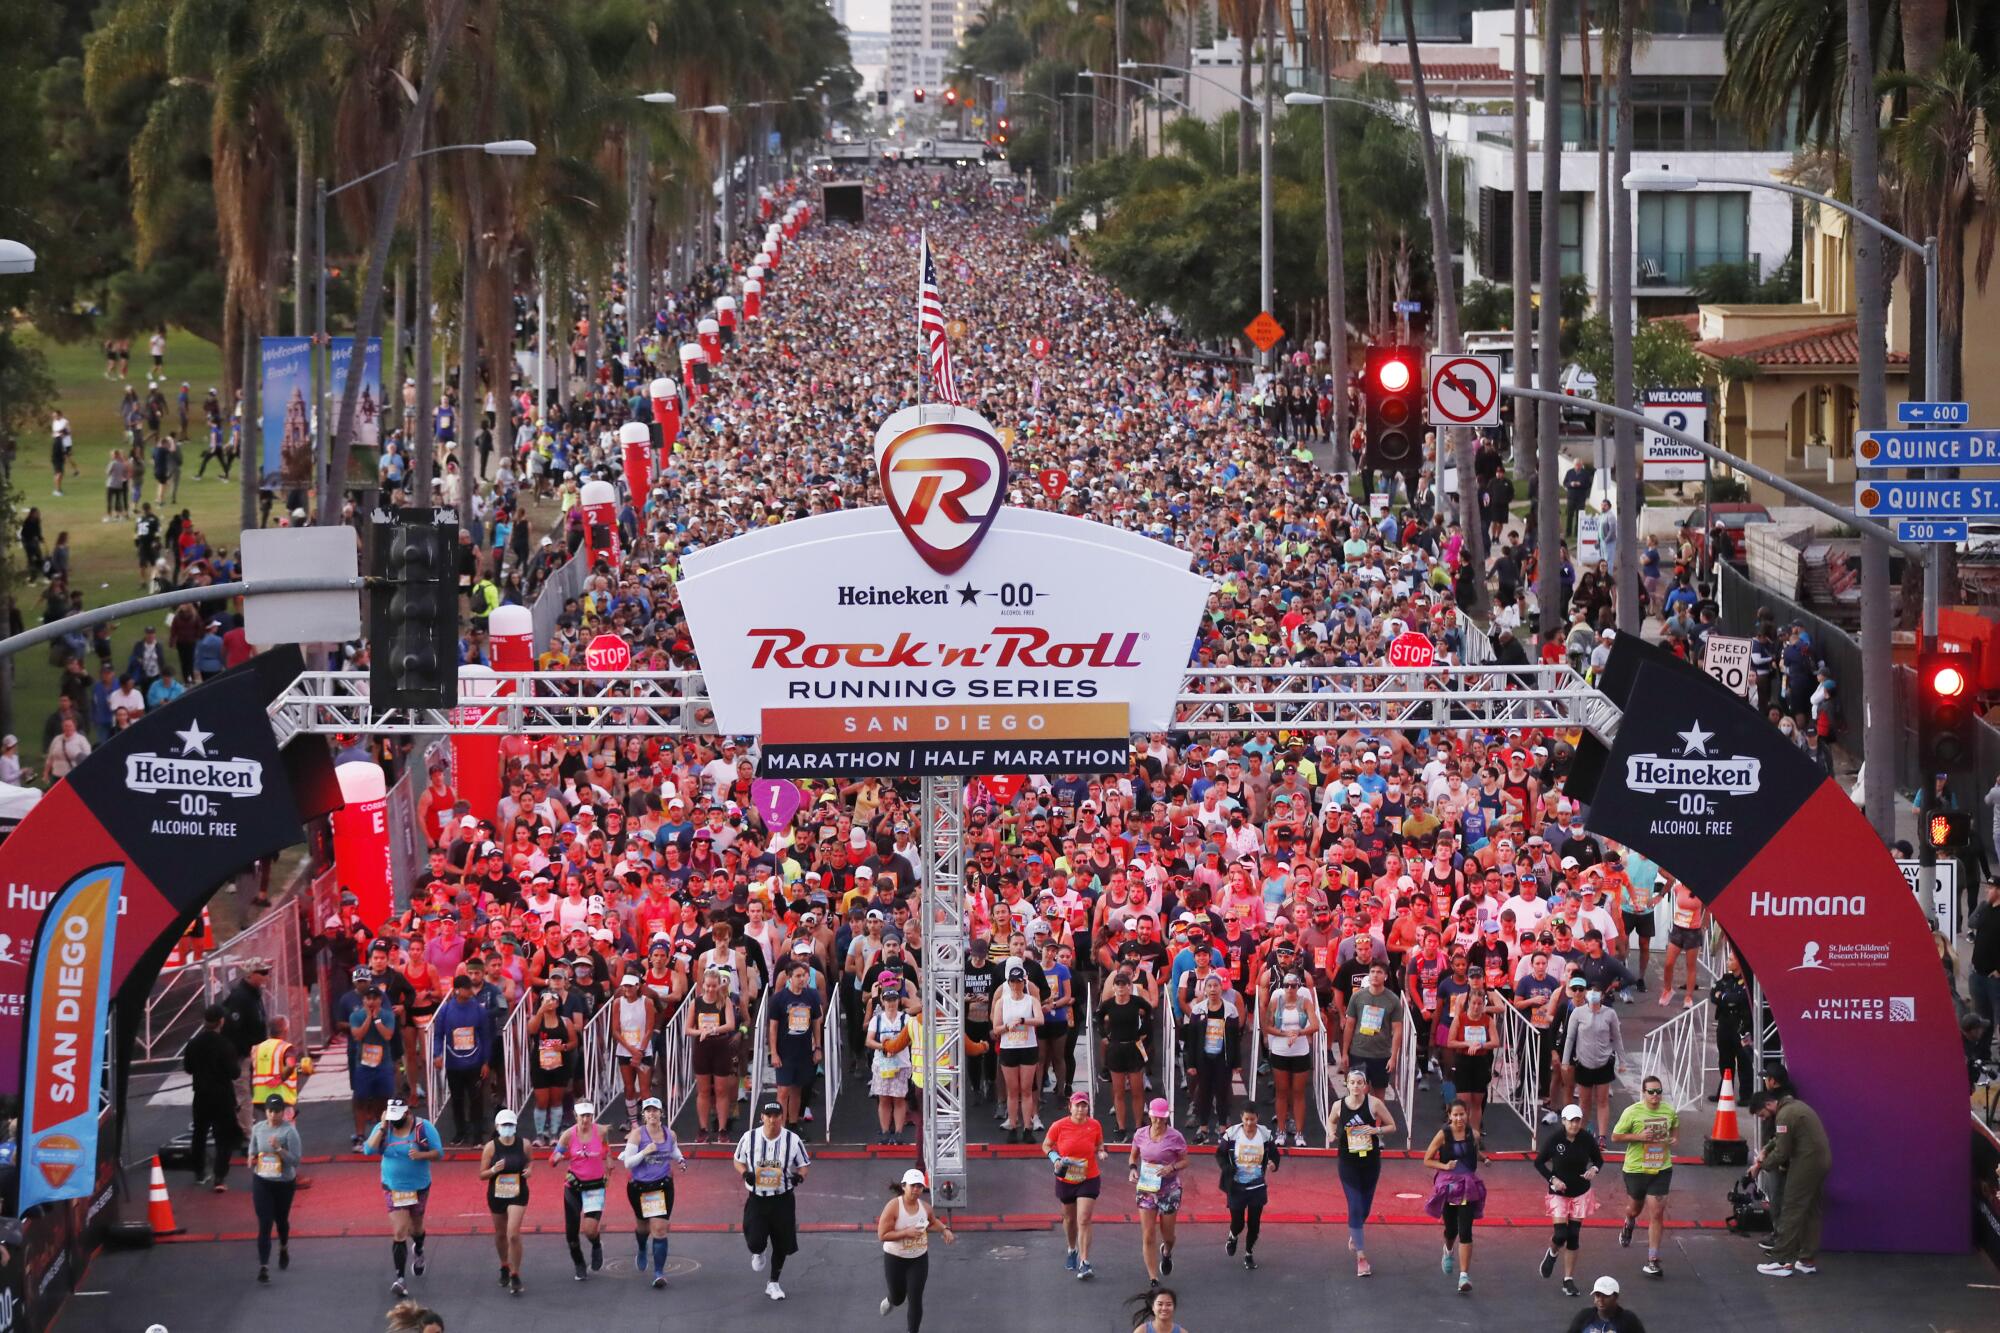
{"type": "Point", "coordinates": [923, 254]}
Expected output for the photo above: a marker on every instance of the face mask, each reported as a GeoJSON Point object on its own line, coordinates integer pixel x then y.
{"type": "Point", "coordinates": [1593, 998]}
{"type": "Point", "coordinates": [507, 1134]}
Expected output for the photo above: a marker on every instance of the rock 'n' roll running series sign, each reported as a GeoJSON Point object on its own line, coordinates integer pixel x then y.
{"type": "Point", "coordinates": [944, 631]}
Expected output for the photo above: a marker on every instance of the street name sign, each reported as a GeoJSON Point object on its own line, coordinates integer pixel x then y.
{"type": "Point", "coordinates": [1933, 414]}
{"type": "Point", "coordinates": [1926, 499]}
{"type": "Point", "coordinates": [1927, 448]}
{"type": "Point", "coordinates": [1933, 530]}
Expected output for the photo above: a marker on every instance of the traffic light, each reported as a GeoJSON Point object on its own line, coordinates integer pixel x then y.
{"type": "Point", "coordinates": [950, 97]}
{"type": "Point", "coordinates": [1945, 708]}
{"type": "Point", "coordinates": [1948, 831]}
{"type": "Point", "coordinates": [1003, 126]}
{"type": "Point", "coordinates": [413, 609]}
{"type": "Point", "coordinates": [1395, 392]}
{"type": "Point", "coordinates": [919, 95]}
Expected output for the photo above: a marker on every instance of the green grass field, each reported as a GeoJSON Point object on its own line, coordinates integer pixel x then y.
{"type": "Point", "coordinates": [104, 565]}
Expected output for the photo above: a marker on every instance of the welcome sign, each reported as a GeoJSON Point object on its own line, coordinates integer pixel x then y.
{"type": "Point", "coordinates": [944, 631]}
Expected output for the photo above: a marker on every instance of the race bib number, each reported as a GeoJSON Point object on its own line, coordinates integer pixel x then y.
{"type": "Point", "coordinates": [653, 1203]}
{"type": "Point", "coordinates": [402, 1198]}
{"type": "Point", "coordinates": [768, 1176]}
{"type": "Point", "coordinates": [1430, 997]}
{"type": "Point", "coordinates": [1371, 1018]}
{"type": "Point", "coordinates": [1359, 1141]}
{"type": "Point", "coordinates": [270, 1165]}
{"type": "Point", "coordinates": [1655, 1157]}
{"type": "Point", "coordinates": [798, 1020]}
{"type": "Point", "coordinates": [1684, 918]}
{"type": "Point", "coordinates": [1320, 959]}
{"type": "Point", "coordinates": [706, 1024]}
{"type": "Point", "coordinates": [1216, 1030]}
{"type": "Point", "coordinates": [593, 1199]}
{"type": "Point", "coordinates": [631, 1036]}
{"type": "Point", "coordinates": [1149, 1178]}
{"type": "Point", "coordinates": [1073, 1170]}
{"type": "Point", "coordinates": [507, 1185]}
{"type": "Point", "coordinates": [551, 1054]}
{"type": "Point", "coordinates": [371, 1057]}
{"type": "Point", "coordinates": [1250, 1154]}
{"type": "Point", "coordinates": [464, 1040]}
{"type": "Point", "coordinates": [1475, 1034]}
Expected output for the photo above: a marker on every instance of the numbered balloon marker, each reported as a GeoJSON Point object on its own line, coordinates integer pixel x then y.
{"type": "Point", "coordinates": [1054, 482]}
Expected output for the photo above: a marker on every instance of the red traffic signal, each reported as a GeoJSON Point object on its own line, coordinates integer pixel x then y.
{"type": "Point", "coordinates": [1947, 712]}
{"type": "Point", "coordinates": [1947, 681]}
{"type": "Point", "coordinates": [1393, 375]}
{"type": "Point", "coordinates": [950, 97]}
{"type": "Point", "coordinates": [918, 94]}
{"type": "Point", "coordinates": [1003, 122]}
{"type": "Point", "coordinates": [1948, 831]}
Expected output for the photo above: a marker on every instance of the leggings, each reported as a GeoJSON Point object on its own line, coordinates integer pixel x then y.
{"type": "Point", "coordinates": [573, 1219]}
{"type": "Point", "coordinates": [1213, 1077]}
{"type": "Point", "coordinates": [1458, 1223]}
{"type": "Point", "coordinates": [1567, 1235]}
{"type": "Point", "coordinates": [1246, 1215]}
{"type": "Point", "coordinates": [1358, 1184]}
{"type": "Point", "coordinates": [273, 1199]}
{"type": "Point", "coordinates": [906, 1285]}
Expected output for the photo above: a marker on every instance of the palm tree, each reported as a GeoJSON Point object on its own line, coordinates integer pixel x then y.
{"type": "Point", "coordinates": [1548, 463]}
{"type": "Point", "coordinates": [1244, 16]}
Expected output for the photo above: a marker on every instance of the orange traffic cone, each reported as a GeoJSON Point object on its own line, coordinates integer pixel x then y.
{"type": "Point", "coordinates": [1725, 1145]}
{"type": "Point", "coordinates": [159, 1208]}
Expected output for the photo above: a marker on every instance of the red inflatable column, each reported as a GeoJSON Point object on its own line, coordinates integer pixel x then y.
{"type": "Point", "coordinates": [361, 840]}
{"type": "Point", "coordinates": [600, 524]}
{"type": "Point", "coordinates": [475, 758]}
{"type": "Point", "coordinates": [694, 370]}
{"type": "Point", "coordinates": [511, 632]}
{"type": "Point", "coordinates": [753, 297]}
{"type": "Point", "coordinates": [708, 331]}
{"type": "Point", "coordinates": [725, 315]}
{"type": "Point", "coordinates": [636, 443]}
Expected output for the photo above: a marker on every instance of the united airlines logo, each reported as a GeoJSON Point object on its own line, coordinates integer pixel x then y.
{"type": "Point", "coordinates": [1694, 769]}
{"type": "Point", "coordinates": [194, 769]}
{"type": "Point", "coordinates": [944, 482]}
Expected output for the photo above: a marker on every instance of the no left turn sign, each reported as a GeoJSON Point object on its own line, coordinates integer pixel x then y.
{"type": "Point", "coordinates": [1464, 390]}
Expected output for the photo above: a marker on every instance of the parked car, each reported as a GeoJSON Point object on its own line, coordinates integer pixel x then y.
{"type": "Point", "coordinates": [1732, 517]}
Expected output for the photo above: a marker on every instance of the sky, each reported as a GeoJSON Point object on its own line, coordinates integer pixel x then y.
{"type": "Point", "coordinates": [868, 15]}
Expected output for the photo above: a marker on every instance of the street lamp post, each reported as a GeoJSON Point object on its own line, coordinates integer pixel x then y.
{"type": "Point", "coordinates": [1061, 158]}
{"type": "Point", "coordinates": [330, 486]}
{"type": "Point", "coordinates": [1091, 97]}
{"type": "Point", "coordinates": [1263, 183]}
{"type": "Point", "coordinates": [638, 221]}
{"type": "Point", "coordinates": [1878, 695]}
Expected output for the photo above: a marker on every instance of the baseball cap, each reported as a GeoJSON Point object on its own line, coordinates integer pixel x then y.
{"type": "Point", "coordinates": [1578, 983]}
{"type": "Point", "coordinates": [1604, 1286]}
{"type": "Point", "coordinates": [652, 1104]}
{"type": "Point", "coordinates": [395, 1110]}
{"type": "Point", "coordinates": [772, 1108]}
{"type": "Point", "coordinates": [914, 1177]}
{"type": "Point", "coordinates": [275, 1099]}
{"type": "Point", "coordinates": [1158, 1109]}
{"type": "Point", "coordinates": [1572, 1112]}
{"type": "Point", "coordinates": [585, 1108]}
{"type": "Point", "coordinates": [1076, 1097]}
{"type": "Point", "coordinates": [468, 822]}
{"type": "Point", "coordinates": [506, 1119]}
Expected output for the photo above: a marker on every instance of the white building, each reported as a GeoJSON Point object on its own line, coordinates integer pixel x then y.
{"type": "Point", "coordinates": [923, 42]}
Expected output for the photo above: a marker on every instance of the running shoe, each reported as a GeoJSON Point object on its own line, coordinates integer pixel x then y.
{"type": "Point", "coordinates": [1038, 1126]}
{"type": "Point", "coordinates": [504, 1275]}
{"type": "Point", "coordinates": [774, 1291]}
{"type": "Point", "coordinates": [1651, 1268]}
{"type": "Point", "coordinates": [1166, 1262]}
{"type": "Point", "coordinates": [1804, 1269]}
{"type": "Point", "coordinates": [398, 1290]}
{"type": "Point", "coordinates": [757, 1262]}
{"type": "Point", "coordinates": [1084, 1270]}
{"type": "Point", "coordinates": [1570, 1287]}
{"type": "Point", "coordinates": [263, 1273]}
{"type": "Point", "coordinates": [1362, 1268]}
{"type": "Point", "coordinates": [1070, 1261]}
{"type": "Point", "coordinates": [417, 1263]}
{"type": "Point", "coordinates": [1229, 1246]}
{"type": "Point", "coordinates": [659, 1282]}
{"type": "Point", "coordinates": [1249, 1260]}
{"type": "Point", "coordinates": [885, 1307]}
{"type": "Point", "coordinates": [1775, 1270]}
{"type": "Point", "coordinates": [580, 1273]}
{"type": "Point", "coordinates": [1465, 1284]}
{"type": "Point", "coordinates": [514, 1286]}
{"type": "Point", "coordinates": [1625, 1233]}
{"type": "Point", "coordinates": [1548, 1263]}
{"type": "Point", "coordinates": [1449, 1264]}
{"type": "Point", "coordinates": [1767, 1245]}
{"type": "Point", "coordinates": [284, 1258]}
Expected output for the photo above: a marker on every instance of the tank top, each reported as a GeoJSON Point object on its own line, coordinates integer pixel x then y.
{"type": "Point", "coordinates": [508, 1184]}
{"type": "Point", "coordinates": [661, 987]}
{"type": "Point", "coordinates": [1360, 1149]}
{"type": "Point", "coordinates": [1291, 1019]}
{"type": "Point", "coordinates": [1015, 1010]}
{"type": "Point", "coordinates": [586, 1155]}
{"type": "Point", "coordinates": [631, 1021]}
{"type": "Point", "coordinates": [661, 1164]}
{"type": "Point", "coordinates": [550, 1034]}
{"type": "Point", "coordinates": [905, 1219]}
{"type": "Point", "coordinates": [708, 1020]}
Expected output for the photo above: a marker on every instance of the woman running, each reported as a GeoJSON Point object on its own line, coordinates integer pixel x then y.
{"type": "Point", "coordinates": [1055, 1037]}
{"type": "Point", "coordinates": [553, 1039]}
{"type": "Point", "coordinates": [632, 1029]}
{"type": "Point", "coordinates": [1470, 1040]}
{"type": "Point", "coordinates": [1017, 1016]}
{"type": "Point", "coordinates": [1458, 1195]}
{"type": "Point", "coordinates": [274, 1174]}
{"type": "Point", "coordinates": [650, 1159]}
{"type": "Point", "coordinates": [713, 1023]}
{"type": "Point", "coordinates": [1074, 1144]}
{"type": "Point", "coordinates": [407, 1145]}
{"type": "Point", "coordinates": [904, 1228]}
{"type": "Point", "coordinates": [1359, 1122]}
{"type": "Point", "coordinates": [1156, 1312]}
{"type": "Point", "coordinates": [582, 1147]}
{"type": "Point", "coordinates": [1569, 1161]}
{"type": "Point", "coordinates": [1290, 1020]}
{"type": "Point", "coordinates": [504, 1165]}
{"type": "Point", "coordinates": [1123, 1021]}
{"type": "Point", "coordinates": [888, 1035]}
{"type": "Point", "coordinates": [1248, 1154]}
{"type": "Point", "coordinates": [1159, 1153]}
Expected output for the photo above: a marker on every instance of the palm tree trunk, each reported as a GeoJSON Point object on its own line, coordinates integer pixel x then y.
{"type": "Point", "coordinates": [1625, 437]}
{"type": "Point", "coordinates": [1245, 40]}
{"type": "Point", "coordinates": [1336, 257]}
{"type": "Point", "coordinates": [423, 453]}
{"type": "Point", "coordinates": [1878, 797]}
{"type": "Point", "coordinates": [1604, 207]}
{"type": "Point", "coordinates": [392, 376]}
{"type": "Point", "coordinates": [250, 477]}
{"type": "Point", "coordinates": [442, 34]}
{"type": "Point", "coordinates": [1548, 530]}
{"type": "Point", "coordinates": [1455, 439]}
{"type": "Point", "coordinates": [471, 403]}
{"type": "Point", "coordinates": [1522, 414]}
{"type": "Point", "coordinates": [302, 188]}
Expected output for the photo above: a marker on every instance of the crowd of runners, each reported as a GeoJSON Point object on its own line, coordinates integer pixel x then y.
{"type": "Point", "coordinates": [1244, 898]}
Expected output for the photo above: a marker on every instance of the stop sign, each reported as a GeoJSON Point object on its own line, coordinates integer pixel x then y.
{"type": "Point", "coordinates": [608, 652]}
{"type": "Point", "coordinates": [1410, 651]}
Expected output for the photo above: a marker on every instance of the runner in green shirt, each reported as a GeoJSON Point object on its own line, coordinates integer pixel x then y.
{"type": "Point", "coordinates": [1649, 1129]}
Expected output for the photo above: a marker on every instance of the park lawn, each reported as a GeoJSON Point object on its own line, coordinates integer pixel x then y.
{"type": "Point", "coordinates": [103, 562]}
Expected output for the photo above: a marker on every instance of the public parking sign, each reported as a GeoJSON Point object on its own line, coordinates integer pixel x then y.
{"type": "Point", "coordinates": [1464, 390]}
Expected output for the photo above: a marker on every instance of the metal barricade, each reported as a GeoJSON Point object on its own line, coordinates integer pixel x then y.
{"type": "Point", "coordinates": [1403, 1087]}
{"type": "Point", "coordinates": [274, 939]}
{"type": "Point", "coordinates": [436, 1096]}
{"type": "Point", "coordinates": [677, 1064]}
{"type": "Point", "coordinates": [517, 1054]}
{"type": "Point", "coordinates": [172, 1015]}
{"type": "Point", "coordinates": [1680, 1052]}
{"type": "Point", "coordinates": [760, 1056]}
{"type": "Point", "coordinates": [1170, 1061]}
{"type": "Point", "coordinates": [835, 1056]}
{"type": "Point", "coordinates": [1256, 1046]}
{"type": "Point", "coordinates": [600, 1060]}
{"type": "Point", "coordinates": [1517, 1069]}
{"type": "Point", "coordinates": [1325, 1095]}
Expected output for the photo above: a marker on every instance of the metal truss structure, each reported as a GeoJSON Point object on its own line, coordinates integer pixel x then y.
{"type": "Point", "coordinates": [1212, 701]}
{"type": "Point", "coordinates": [652, 703]}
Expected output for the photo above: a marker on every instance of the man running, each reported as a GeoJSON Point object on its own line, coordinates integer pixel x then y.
{"type": "Point", "coordinates": [1649, 1129]}
{"type": "Point", "coordinates": [773, 1163]}
{"type": "Point", "coordinates": [407, 1145]}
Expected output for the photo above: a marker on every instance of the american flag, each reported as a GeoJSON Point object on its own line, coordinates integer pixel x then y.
{"type": "Point", "coordinates": [930, 326]}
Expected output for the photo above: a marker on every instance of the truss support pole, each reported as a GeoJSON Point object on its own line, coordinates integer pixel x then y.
{"type": "Point", "coordinates": [943, 1053]}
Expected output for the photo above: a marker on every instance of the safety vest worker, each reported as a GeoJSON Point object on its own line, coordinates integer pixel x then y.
{"type": "Point", "coordinates": [275, 1067]}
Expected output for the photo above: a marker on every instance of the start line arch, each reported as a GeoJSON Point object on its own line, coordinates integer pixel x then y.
{"type": "Point", "coordinates": [1668, 763]}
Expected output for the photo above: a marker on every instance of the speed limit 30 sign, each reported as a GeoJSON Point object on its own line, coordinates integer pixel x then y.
{"type": "Point", "coordinates": [1728, 661]}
